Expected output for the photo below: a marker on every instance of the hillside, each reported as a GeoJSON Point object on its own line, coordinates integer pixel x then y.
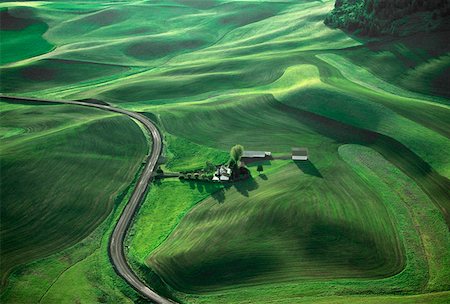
{"type": "Point", "coordinates": [386, 17]}
{"type": "Point", "coordinates": [364, 220]}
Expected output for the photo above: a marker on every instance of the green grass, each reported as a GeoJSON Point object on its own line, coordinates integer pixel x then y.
{"type": "Point", "coordinates": [24, 39]}
{"type": "Point", "coordinates": [184, 155]}
{"type": "Point", "coordinates": [47, 74]}
{"type": "Point", "coordinates": [60, 176]}
{"type": "Point", "coordinates": [246, 225]}
{"type": "Point", "coordinates": [161, 212]}
{"type": "Point", "coordinates": [439, 297]}
{"type": "Point", "coordinates": [364, 78]}
{"type": "Point", "coordinates": [355, 224]}
{"type": "Point", "coordinates": [13, 40]}
{"type": "Point", "coordinates": [79, 273]}
{"type": "Point", "coordinates": [430, 74]}
{"type": "Point", "coordinates": [254, 237]}
{"type": "Point", "coordinates": [417, 63]}
{"type": "Point", "coordinates": [245, 117]}
{"type": "Point", "coordinates": [429, 220]}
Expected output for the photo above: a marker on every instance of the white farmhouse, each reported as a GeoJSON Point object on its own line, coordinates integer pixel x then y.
{"type": "Point", "coordinates": [222, 174]}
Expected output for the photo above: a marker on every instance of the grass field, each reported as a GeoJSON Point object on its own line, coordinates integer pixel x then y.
{"type": "Point", "coordinates": [20, 30]}
{"type": "Point", "coordinates": [62, 168]}
{"type": "Point", "coordinates": [81, 273]}
{"type": "Point", "coordinates": [364, 221]}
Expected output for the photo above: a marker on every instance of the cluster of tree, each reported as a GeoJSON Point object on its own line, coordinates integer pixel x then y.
{"type": "Point", "coordinates": [195, 176]}
{"type": "Point", "coordinates": [236, 154]}
{"type": "Point", "coordinates": [203, 174]}
{"type": "Point", "coordinates": [389, 17]}
{"type": "Point", "coordinates": [159, 171]}
{"type": "Point", "coordinates": [209, 169]}
{"type": "Point", "coordinates": [235, 157]}
{"type": "Point", "coordinates": [237, 172]}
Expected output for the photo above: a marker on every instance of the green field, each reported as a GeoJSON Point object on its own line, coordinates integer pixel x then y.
{"type": "Point", "coordinates": [62, 168]}
{"type": "Point", "coordinates": [80, 273]}
{"type": "Point", "coordinates": [365, 220]}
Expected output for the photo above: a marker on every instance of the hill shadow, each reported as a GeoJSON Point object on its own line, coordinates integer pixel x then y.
{"type": "Point", "coordinates": [354, 250]}
{"type": "Point", "coordinates": [347, 248]}
{"type": "Point", "coordinates": [211, 269]}
{"type": "Point", "coordinates": [308, 167]}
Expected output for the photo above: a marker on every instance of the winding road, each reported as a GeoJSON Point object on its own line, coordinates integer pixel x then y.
{"type": "Point", "coordinates": [116, 241]}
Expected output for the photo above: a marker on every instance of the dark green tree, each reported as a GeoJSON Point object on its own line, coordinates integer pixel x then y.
{"type": "Point", "coordinates": [209, 167]}
{"type": "Point", "coordinates": [159, 171]}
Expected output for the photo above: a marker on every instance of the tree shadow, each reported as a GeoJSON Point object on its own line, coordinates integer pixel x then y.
{"type": "Point", "coordinates": [244, 187]}
{"type": "Point", "coordinates": [200, 187]}
{"type": "Point", "coordinates": [257, 159]}
{"type": "Point", "coordinates": [249, 162]}
{"type": "Point", "coordinates": [219, 196]}
{"type": "Point", "coordinates": [192, 184]}
{"type": "Point", "coordinates": [308, 167]}
{"type": "Point", "coordinates": [263, 176]}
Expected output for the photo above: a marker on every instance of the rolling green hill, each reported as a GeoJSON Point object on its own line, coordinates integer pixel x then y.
{"type": "Point", "coordinates": [21, 30]}
{"type": "Point", "coordinates": [62, 169]}
{"type": "Point", "coordinates": [364, 221]}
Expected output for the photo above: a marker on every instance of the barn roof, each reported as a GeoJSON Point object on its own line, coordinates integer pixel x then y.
{"type": "Point", "coordinates": [254, 154]}
{"type": "Point", "coordinates": [300, 151]}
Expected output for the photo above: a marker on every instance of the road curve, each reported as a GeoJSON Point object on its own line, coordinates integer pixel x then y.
{"type": "Point", "coordinates": [116, 241]}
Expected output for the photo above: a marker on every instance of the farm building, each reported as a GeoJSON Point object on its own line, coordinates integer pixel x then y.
{"type": "Point", "coordinates": [222, 174]}
{"type": "Point", "coordinates": [299, 154]}
{"type": "Point", "coordinates": [255, 154]}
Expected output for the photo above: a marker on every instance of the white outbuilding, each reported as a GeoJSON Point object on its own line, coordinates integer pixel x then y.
{"type": "Point", "coordinates": [299, 154]}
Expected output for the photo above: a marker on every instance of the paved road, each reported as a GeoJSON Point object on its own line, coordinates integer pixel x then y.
{"type": "Point", "coordinates": [116, 242]}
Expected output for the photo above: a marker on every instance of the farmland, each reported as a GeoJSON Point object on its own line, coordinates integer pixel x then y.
{"type": "Point", "coordinates": [64, 149]}
{"type": "Point", "coordinates": [365, 220]}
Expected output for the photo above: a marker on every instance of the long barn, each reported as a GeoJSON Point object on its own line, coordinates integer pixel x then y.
{"type": "Point", "coordinates": [255, 154]}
